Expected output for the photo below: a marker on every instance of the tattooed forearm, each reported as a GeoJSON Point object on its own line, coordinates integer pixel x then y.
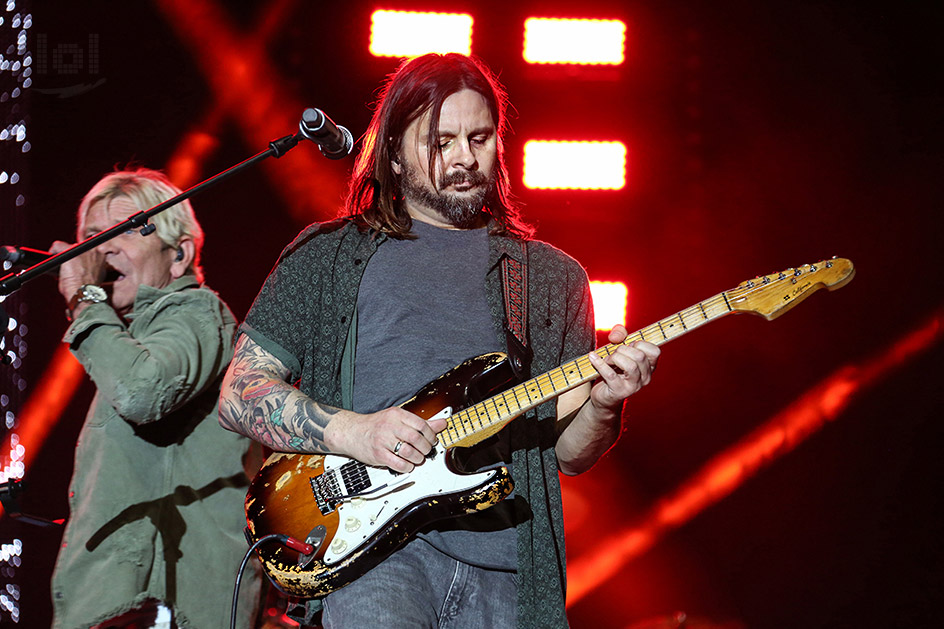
{"type": "Point", "coordinates": [257, 402]}
{"type": "Point", "coordinates": [311, 418]}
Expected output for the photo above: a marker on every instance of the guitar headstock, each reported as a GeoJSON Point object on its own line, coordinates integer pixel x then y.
{"type": "Point", "coordinates": [772, 295]}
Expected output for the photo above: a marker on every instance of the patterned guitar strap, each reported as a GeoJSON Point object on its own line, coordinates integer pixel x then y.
{"type": "Point", "coordinates": [515, 290]}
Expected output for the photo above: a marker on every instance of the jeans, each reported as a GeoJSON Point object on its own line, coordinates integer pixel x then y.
{"type": "Point", "coordinates": [419, 587]}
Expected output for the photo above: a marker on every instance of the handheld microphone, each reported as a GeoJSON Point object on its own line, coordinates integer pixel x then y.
{"type": "Point", "coordinates": [21, 256]}
{"type": "Point", "coordinates": [334, 141]}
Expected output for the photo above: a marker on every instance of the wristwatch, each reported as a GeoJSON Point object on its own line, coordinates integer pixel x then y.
{"type": "Point", "coordinates": [87, 292]}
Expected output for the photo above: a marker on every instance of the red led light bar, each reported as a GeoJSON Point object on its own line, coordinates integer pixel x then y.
{"type": "Point", "coordinates": [609, 304]}
{"type": "Point", "coordinates": [410, 33]}
{"type": "Point", "coordinates": [575, 165]}
{"type": "Point", "coordinates": [574, 41]}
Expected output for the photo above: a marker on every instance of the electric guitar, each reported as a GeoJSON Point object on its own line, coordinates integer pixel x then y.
{"type": "Point", "coordinates": [355, 515]}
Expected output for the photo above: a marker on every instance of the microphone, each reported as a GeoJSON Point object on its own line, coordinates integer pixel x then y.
{"type": "Point", "coordinates": [22, 256]}
{"type": "Point", "coordinates": [334, 141]}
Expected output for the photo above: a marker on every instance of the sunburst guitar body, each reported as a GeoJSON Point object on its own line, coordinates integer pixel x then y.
{"type": "Point", "coordinates": [354, 514]}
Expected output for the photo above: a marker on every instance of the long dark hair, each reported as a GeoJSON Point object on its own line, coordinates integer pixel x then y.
{"type": "Point", "coordinates": [418, 85]}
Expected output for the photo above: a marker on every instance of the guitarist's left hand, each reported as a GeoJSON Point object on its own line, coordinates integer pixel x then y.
{"type": "Point", "coordinates": [624, 372]}
{"type": "Point", "coordinates": [593, 418]}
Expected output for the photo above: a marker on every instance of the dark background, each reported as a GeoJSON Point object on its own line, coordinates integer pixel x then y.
{"type": "Point", "coordinates": [761, 136]}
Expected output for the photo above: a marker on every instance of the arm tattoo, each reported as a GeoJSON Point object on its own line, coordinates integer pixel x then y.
{"type": "Point", "coordinates": [266, 408]}
{"type": "Point", "coordinates": [311, 418]}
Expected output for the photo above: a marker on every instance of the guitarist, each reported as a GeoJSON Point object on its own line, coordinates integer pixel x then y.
{"type": "Point", "coordinates": [363, 311]}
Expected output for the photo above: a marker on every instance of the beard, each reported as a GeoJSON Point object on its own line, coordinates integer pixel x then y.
{"type": "Point", "coordinates": [459, 210]}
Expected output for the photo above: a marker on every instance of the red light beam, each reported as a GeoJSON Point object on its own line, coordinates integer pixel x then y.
{"type": "Point", "coordinates": [728, 470]}
{"type": "Point", "coordinates": [44, 407]}
{"type": "Point", "coordinates": [243, 79]}
{"type": "Point", "coordinates": [200, 142]}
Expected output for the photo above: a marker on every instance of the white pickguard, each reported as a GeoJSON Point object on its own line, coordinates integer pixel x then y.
{"type": "Point", "coordinates": [362, 517]}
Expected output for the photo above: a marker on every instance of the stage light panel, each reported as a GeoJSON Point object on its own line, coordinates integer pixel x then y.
{"type": "Point", "coordinates": [410, 33]}
{"type": "Point", "coordinates": [609, 304]}
{"type": "Point", "coordinates": [574, 41]}
{"type": "Point", "coordinates": [574, 165]}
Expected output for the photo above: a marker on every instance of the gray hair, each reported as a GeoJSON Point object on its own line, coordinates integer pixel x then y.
{"type": "Point", "coordinates": [147, 188]}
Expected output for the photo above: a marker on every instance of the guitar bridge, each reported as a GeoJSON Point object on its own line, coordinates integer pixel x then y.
{"type": "Point", "coordinates": [334, 486]}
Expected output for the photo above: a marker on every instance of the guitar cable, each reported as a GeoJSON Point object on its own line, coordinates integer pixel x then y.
{"type": "Point", "coordinates": [286, 540]}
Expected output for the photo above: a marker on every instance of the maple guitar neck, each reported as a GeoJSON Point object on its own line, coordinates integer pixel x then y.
{"type": "Point", "coordinates": [474, 423]}
{"type": "Point", "coordinates": [768, 296]}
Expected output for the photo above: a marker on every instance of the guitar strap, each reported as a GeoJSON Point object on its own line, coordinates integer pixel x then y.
{"type": "Point", "coordinates": [515, 290]}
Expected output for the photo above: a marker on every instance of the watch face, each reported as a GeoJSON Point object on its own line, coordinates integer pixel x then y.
{"type": "Point", "coordinates": [90, 292]}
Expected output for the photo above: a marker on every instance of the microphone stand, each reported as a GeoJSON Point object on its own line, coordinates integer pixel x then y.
{"type": "Point", "coordinates": [13, 281]}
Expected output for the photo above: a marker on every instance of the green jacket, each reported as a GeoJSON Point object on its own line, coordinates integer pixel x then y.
{"type": "Point", "coordinates": [305, 315]}
{"type": "Point", "coordinates": [157, 494]}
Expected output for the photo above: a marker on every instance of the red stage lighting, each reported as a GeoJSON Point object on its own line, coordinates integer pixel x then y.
{"type": "Point", "coordinates": [609, 304]}
{"type": "Point", "coordinates": [732, 467]}
{"type": "Point", "coordinates": [575, 165]}
{"type": "Point", "coordinates": [41, 412]}
{"type": "Point", "coordinates": [409, 33]}
{"type": "Point", "coordinates": [576, 41]}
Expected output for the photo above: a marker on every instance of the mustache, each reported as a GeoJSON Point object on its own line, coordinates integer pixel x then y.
{"type": "Point", "coordinates": [476, 178]}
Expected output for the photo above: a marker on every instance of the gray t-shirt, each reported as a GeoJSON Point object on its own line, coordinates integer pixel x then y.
{"type": "Point", "coordinates": [421, 310]}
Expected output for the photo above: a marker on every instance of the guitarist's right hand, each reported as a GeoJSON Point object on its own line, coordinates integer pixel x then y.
{"type": "Point", "coordinates": [373, 438]}
{"type": "Point", "coordinates": [256, 386]}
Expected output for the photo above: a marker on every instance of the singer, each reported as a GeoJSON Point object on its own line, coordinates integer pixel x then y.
{"type": "Point", "coordinates": [362, 311]}
{"type": "Point", "coordinates": [155, 531]}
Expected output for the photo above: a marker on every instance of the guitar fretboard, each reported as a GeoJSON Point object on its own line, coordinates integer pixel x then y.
{"type": "Point", "coordinates": [466, 425]}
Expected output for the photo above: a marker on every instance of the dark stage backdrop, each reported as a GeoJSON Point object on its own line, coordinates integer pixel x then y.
{"type": "Point", "coordinates": [761, 135]}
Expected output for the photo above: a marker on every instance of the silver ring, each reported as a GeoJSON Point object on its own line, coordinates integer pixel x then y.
{"type": "Point", "coordinates": [396, 448]}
